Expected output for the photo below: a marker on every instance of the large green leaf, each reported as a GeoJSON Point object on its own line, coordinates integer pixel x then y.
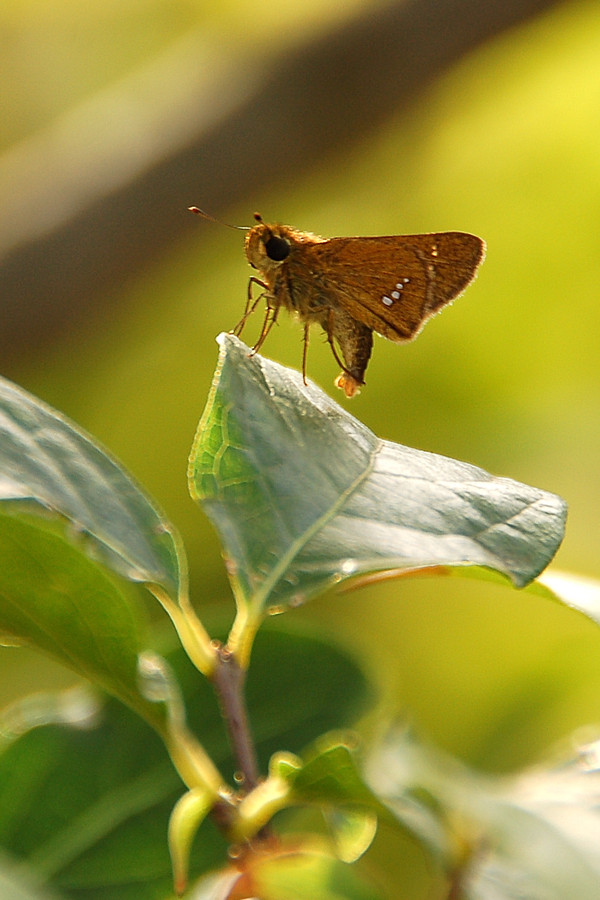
{"type": "Point", "coordinates": [303, 494]}
{"type": "Point", "coordinates": [87, 810]}
{"type": "Point", "coordinates": [47, 459]}
{"type": "Point", "coordinates": [53, 597]}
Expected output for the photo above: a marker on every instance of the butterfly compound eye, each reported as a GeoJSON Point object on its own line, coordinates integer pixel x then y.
{"type": "Point", "coordinates": [277, 248]}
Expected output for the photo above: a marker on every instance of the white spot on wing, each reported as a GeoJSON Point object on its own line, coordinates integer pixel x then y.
{"type": "Point", "coordinates": [387, 301]}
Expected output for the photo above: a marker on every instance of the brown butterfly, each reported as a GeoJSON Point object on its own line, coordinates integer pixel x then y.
{"type": "Point", "coordinates": [353, 286]}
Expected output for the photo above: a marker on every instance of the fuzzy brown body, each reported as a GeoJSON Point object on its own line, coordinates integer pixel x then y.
{"type": "Point", "coordinates": [354, 286]}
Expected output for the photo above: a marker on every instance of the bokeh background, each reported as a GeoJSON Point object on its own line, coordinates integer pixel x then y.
{"type": "Point", "coordinates": [354, 118]}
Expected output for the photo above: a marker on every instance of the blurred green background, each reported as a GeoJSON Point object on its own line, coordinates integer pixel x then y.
{"type": "Point", "coordinates": [112, 294]}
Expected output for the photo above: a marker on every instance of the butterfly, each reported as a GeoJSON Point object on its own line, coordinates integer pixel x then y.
{"type": "Point", "coordinates": [353, 286]}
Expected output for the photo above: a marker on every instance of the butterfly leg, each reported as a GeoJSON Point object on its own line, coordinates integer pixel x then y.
{"type": "Point", "coordinates": [251, 303]}
{"type": "Point", "coordinates": [356, 342]}
{"type": "Point", "coordinates": [269, 320]}
{"type": "Point", "coordinates": [305, 352]}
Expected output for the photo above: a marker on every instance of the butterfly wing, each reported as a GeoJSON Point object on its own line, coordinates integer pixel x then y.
{"type": "Point", "coordinates": [394, 284]}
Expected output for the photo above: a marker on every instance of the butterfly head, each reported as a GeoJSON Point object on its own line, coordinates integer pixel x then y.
{"type": "Point", "coordinates": [267, 246]}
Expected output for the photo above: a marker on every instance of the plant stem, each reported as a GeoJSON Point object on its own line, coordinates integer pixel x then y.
{"type": "Point", "coordinates": [228, 679]}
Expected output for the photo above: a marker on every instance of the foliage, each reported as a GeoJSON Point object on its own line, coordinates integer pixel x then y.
{"type": "Point", "coordinates": [303, 496]}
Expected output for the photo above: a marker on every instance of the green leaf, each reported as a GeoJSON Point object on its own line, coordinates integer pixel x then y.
{"type": "Point", "coordinates": [300, 686]}
{"type": "Point", "coordinates": [575, 591]}
{"type": "Point", "coordinates": [54, 598]}
{"type": "Point", "coordinates": [303, 495]}
{"type": "Point", "coordinates": [304, 875]}
{"type": "Point", "coordinates": [535, 835]}
{"type": "Point", "coordinates": [46, 459]}
{"type": "Point", "coordinates": [352, 830]}
{"type": "Point", "coordinates": [298, 873]}
{"type": "Point", "coordinates": [89, 808]}
{"type": "Point", "coordinates": [77, 706]}
{"type": "Point", "coordinates": [330, 775]}
{"type": "Point", "coordinates": [545, 830]}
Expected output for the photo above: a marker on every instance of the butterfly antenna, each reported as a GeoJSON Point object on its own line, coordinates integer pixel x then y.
{"type": "Point", "coordinates": [205, 215]}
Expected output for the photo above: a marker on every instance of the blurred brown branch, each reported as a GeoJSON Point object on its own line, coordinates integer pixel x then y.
{"type": "Point", "coordinates": [320, 98]}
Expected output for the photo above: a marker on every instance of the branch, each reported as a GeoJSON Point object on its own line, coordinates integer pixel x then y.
{"type": "Point", "coordinates": [228, 680]}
